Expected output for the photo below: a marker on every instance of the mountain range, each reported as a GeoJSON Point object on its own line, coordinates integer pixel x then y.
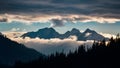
{"type": "Point", "coordinates": [11, 51]}
{"type": "Point", "coordinates": [48, 33]}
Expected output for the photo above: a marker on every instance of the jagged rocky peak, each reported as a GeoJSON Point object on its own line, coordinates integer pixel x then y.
{"type": "Point", "coordinates": [46, 29]}
{"type": "Point", "coordinates": [48, 33]}
{"type": "Point", "coordinates": [74, 30]}
{"type": "Point", "coordinates": [89, 31]}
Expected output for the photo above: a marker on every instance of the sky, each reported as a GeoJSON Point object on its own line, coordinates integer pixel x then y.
{"type": "Point", "coordinates": [31, 15]}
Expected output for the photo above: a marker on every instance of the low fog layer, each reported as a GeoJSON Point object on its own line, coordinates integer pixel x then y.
{"type": "Point", "coordinates": [50, 46]}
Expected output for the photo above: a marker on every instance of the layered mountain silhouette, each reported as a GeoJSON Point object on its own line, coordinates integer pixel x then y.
{"type": "Point", "coordinates": [11, 51]}
{"type": "Point", "coordinates": [48, 33]}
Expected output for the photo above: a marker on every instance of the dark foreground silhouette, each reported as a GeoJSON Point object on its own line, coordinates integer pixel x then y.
{"type": "Point", "coordinates": [11, 51]}
{"type": "Point", "coordinates": [100, 55]}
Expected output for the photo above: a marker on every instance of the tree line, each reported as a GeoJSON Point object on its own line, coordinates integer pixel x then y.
{"type": "Point", "coordinates": [100, 55]}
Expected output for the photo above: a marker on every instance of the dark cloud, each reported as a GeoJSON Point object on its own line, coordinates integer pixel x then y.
{"type": "Point", "coordinates": [74, 1]}
{"type": "Point", "coordinates": [57, 23]}
{"type": "Point", "coordinates": [3, 20]}
{"type": "Point", "coordinates": [100, 8]}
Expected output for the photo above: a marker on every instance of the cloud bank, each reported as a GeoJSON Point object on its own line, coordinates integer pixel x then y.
{"type": "Point", "coordinates": [51, 46]}
{"type": "Point", "coordinates": [30, 11]}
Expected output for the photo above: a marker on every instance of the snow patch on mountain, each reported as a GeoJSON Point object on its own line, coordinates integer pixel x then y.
{"type": "Point", "coordinates": [87, 34]}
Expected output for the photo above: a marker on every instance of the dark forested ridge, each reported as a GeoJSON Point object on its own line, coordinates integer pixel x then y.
{"type": "Point", "coordinates": [100, 55]}
{"type": "Point", "coordinates": [11, 51]}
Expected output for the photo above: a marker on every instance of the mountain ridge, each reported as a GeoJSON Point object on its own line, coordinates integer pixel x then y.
{"type": "Point", "coordinates": [48, 33]}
